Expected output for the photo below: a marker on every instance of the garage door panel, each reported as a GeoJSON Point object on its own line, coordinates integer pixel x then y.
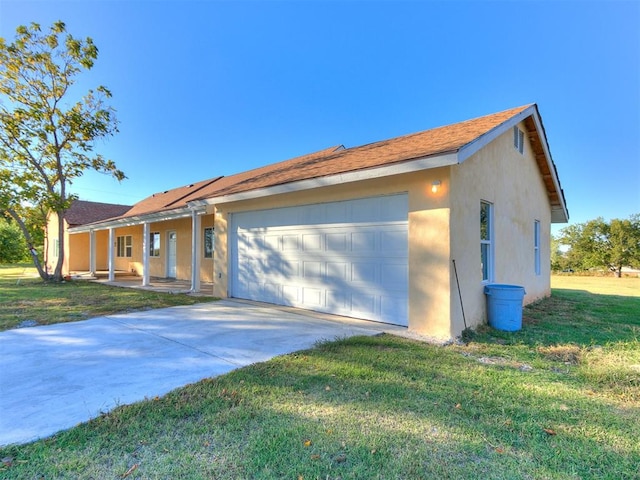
{"type": "Point", "coordinates": [313, 270]}
{"type": "Point", "coordinates": [337, 301]}
{"type": "Point", "coordinates": [337, 272]}
{"type": "Point", "coordinates": [312, 242]}
{"type": "Point", "coordinates": [291, 295]}
{"type": "Point", "coordinates": [363, 242]}
{"type": "Point", "coordinates": [291, 243]}
{"type": "Point", "coordinates": [363, 272]}
{"type": "Point", "coordinates": [271, 292]}
{"type": "Point", "coordinates": [336, 242]}
{"type": "Point", "coordinates": [390, 306]}
{"type": "Point", "coordinates": [395, 276]}
{"type": "Point", "coordinates": [313, 297]}
{"type": "Point", "coordinates": [364, 304]}
{"type": "Point", "coordinates": [347, 258]}
{"type": "Point", "coordinates": [394, 241]}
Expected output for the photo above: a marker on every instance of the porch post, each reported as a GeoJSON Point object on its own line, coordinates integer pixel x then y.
{"type": "Point", "coordinates": [145, 254]}
{"type": "Point", "coordinates": [195, 251]}
{"type": "Point", "coordinates": [92, 252]}
{"type": "Point", "coordinates": [112, 273]}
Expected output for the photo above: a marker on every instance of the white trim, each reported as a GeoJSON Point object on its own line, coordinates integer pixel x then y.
{"type": "Point", "coordinates": [483, 140]}
{"type": "Point", "coordinates": [195, 251]}
{"type": "Point", "coordinates": [92, 252]}
{"type": "Point", "coordinates": [490, 242]}
{"type": "Point", "coordinates": [146, 248]}
{"type": "Point", "coordinates": [112, 274]}
{"type": "Point", "coordinates": [168, 266]}
{"type": "Point", "coordinates": [139, 219]}
{"type": "Point", "coordinates": [423, 163]}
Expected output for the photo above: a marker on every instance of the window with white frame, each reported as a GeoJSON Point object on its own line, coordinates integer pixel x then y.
{"type": "Point", "coordinates": [154, 244]}
{"type": "Point", "coordinates": [518, 139]}
{"type": "Point", "coordinates": [208, 242]}
{"type": "Point", "coordinates": [536, 246]}
{"type": "Point", "coordinates": [123, 246]}
{"type": "Point", "coordinates": [56, 248]}
{"type": "Point", "coordinates": [486, 241]}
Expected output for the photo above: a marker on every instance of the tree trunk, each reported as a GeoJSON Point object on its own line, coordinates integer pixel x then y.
{"type": "Point", "coordinates": [32, 251]}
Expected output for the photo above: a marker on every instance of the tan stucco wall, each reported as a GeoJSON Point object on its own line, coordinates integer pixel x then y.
{"type": "Point", "coordinates": [76, 248]}
{"type": "Point", "coordinates": [428, 238]}
{"type": "Point", "coordinates": [51, 235]}
{"type": "Point", "coordinates": [131, 264]}
{"type": "Point", "coordinates": [182, 227]}
{"type": "Point", "coordinates": [511, 181]}
{"type": "Point", "coordinates": [78, 252]}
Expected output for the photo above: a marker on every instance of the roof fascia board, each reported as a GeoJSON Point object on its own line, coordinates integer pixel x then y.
{"type": "Point", "coordinates": [557, 216]}
{"type": "Point", "coordinates": [140, 219]}
{"type": "Point", "coordinates": [488, 137]}
{"type": "Point", "coordinates": [415, 165]}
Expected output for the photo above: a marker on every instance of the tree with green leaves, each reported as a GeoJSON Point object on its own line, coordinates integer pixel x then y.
{"type": "Point", "coordinates": [599, 244]}
{"type": "Point", "coordinates": [12, 246]}
{"type": "Point", "coordinates": [47, 133]}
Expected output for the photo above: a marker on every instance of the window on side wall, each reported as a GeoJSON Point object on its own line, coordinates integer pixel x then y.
{"type": "Point", "coordinates": [208, 242]}
{"type": "Point", "coordinates": [536, 246]}
{"type": "Point", "coordinates": [154, 244]}
{"type": "Point", "coordinates": [123, 246]}
{"type": "Point", "coordinates": [486, 241]}
{"type": "Point", "coordinates": [56, 248]}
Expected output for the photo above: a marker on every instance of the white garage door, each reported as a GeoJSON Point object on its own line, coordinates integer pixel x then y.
{"type": "Point", "coordinates": [348, 258]}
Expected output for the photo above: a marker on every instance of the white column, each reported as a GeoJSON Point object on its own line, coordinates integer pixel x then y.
{"type": "Point", "coordinates": [196, 246]}
{"type": "Point", "coordinates": [145, 254]}
{"type": "Point", "coordinates": [112, 273]}
{"type": "Point", "coordinates": [92, 252]}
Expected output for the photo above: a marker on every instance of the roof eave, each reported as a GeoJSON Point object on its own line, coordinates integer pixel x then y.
{"type": "Point", "coordinates": [134, 220]}
{"type": "Point", "coordinates": [559, 211]}
{"type": "Point", "coordinates": [408, 166]}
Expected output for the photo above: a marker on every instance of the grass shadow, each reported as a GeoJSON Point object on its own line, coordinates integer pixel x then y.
{"type": "Point", "coordinates": [576, 317]}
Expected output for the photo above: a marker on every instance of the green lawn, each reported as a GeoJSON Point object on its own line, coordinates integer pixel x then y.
{"type": "Point", "coordinates": [558, 400]}
{"type": "Point", "coordinates": [25, 297]}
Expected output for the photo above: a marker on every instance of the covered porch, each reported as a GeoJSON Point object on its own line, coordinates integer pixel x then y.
{"type": "Point", "coordinates": [170, 251]}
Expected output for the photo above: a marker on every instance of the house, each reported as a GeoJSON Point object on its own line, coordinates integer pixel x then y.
{"type": "Point", "coordinates": [370, 232]}
{"type": "Point", "coordinates": [81, 212]}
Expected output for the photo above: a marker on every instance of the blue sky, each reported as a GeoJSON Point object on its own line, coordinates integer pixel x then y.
{"type": "Point", "coordinates": [209, 88]}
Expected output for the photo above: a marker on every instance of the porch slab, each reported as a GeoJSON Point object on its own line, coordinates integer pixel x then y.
{"type": "Point", "coordinates": [163, 285]}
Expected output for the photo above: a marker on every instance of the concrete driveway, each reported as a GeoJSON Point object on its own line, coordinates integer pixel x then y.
{"type": "Point", "coordinates": [54, 377]}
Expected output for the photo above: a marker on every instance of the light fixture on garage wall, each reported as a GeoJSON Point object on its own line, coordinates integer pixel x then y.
{"type": "Point", "coordinates": [435, 186]}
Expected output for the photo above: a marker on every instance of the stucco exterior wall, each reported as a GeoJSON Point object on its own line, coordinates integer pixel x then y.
{"type": "Point", "coordinates": [511, 182]}
{"type": "Point", "coordinates": [182, 227]}
{"type": "Point", "coordinates": [77, 257]}
{"type": "Point", "coordinates": [131, 264]}
{"type": "Point", "coordinates": [428, 223]}
{"type": "Point", "coordinates": [51, 236]}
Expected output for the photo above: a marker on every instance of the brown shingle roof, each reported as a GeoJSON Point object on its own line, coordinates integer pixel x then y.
{"type": "Point", "coordinates": [334, 160]}
{"type": "Point", "coordinates": [330, 161]}
{"type": "Point", "coordinates": [82, 212]}
{"type": "Point", "coordinates": [169, 199]}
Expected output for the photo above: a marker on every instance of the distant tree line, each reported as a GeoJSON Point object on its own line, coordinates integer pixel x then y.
{"type": "Point", "coordinates": [598, 245]}
{"type": "Point", "coordinates": [13, 246]}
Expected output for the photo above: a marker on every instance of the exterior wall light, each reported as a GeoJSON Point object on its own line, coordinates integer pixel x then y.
{"type": "Point", "coordinates": [435, 186]}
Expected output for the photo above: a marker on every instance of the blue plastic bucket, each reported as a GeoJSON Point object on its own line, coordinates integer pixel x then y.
{"type": "Point", "coordinates": [504, 306]}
